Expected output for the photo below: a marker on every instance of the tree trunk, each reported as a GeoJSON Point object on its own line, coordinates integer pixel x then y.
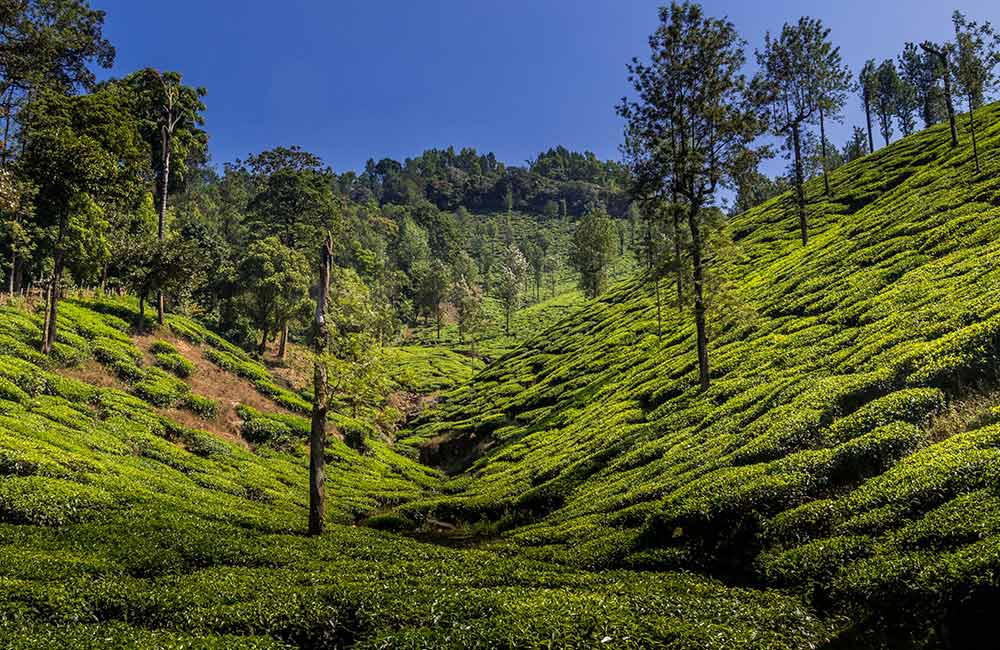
{"type": "Point", "coordinates": [948, 102]}
{"type": "Point", "coordinates": [437, 322]}
{"type": "Point", "coordinates": [659, 312]}
{"type": "Point", "coordinates": [283, 341]}
{"type": "Point", "coordinates": [678, 267]}
{"type": "Point", "coordinates": [262, 348]}
{"type": "Point", "coordinates": [142, 311]}
{"type": "Point", "coordinates": [53, 307]}
{"type": "Point", "coordinates": [317, 449]}
{"type": "Point", "coordinates": [972, 125]}
{"type": "Point", "coordinates": [699, 298]}
{"type": "Point", "coordinates": [317, 432]}
{"type": "Point", "coordinates": [13, 268]}
{"type": "Point", "coordinates": [164, 188]}
{"type": "Point", "coordinates": [822, 144]}
{"type": "Point", "coordinates": [800, 190]}
{"type": "Point", "coordinates": [868, 118]}
{"type": "Point", "coordinates": [506, 328]}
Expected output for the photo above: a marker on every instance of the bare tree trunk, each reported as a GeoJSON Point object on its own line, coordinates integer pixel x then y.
{"type": "Point", "coordinates": [678, 266]}
{"type": "Point", "coordinates": [142, 311]}
{"type": "Point", "coordinates": [317, 434]}
{"type": "Point", "coordinates": [822, 141]}
{"type": "Point", "coordinates": [53, 307]}
{"type": "Point", "coordinates": [948, 102]}
{"type": "Point", "coordinates": [868, 118]}
{"type": "Point", "coordinates": [507, 325]}
{"type": "Point", "coordinates": [13, 268]}
{"type": "Point", "coordinates": [659, 311]}
{"type": "Point", "coordinates": [164, 188]}
{"type": "Point", "coordinates": [800, 191]}
{"type": "Point", "coordinates": [699, 298]}
{"type": "Point", "coordinates": [972, 125]}
{"type": "Point", "coordinates": [262, 348]}
{"type": "Point", "coordinates": [283, 341]}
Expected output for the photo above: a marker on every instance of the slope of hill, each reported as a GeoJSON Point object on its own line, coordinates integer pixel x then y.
{"type": "Point", "coordinates": [847, 447]}
{"type": "Point", "coordinates": [122, 527]}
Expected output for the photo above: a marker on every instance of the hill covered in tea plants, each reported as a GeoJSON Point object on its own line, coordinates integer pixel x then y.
{"type": "Point", "coordinates": [848, 449]}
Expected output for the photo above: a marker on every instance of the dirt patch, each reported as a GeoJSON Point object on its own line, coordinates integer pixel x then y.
{"type": "Point", "coordinates": [412, 404]}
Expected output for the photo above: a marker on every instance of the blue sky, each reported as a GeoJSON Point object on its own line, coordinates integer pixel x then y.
{"type": "Point", "coordinates": [353, 79]}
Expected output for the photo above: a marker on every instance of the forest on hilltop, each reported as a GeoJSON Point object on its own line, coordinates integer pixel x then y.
{"type": "Point", "coordinates": [449, 402]}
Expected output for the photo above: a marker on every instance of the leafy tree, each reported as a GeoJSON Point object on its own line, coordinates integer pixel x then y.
{"type": "Point", "coordinates": [886, 97]}
{"type": "Point", "coordinates": [550, 269]}
{"type": "Point", "coordinates": [513, 269]}
{"type": "Point", "coordinates": [942, 54]}
{"type": "Point", "coordinates": [469, 312]}
{"type": "Point", "coordinates": [433, 291]}
{"type": "Point", "coordinates": [16, 198]}
{"type": "Point", "coordinates": [856, 147]}
{"type": "Point", "coordinates": [907, 104]}
{"type": "Point", "coordinates": [84, 154]}
{"type": "Point", "coordinates": [46, 44]}
{"type": "Point", "coordinates": [922, 71]}
{"type": "Point", "coordinates": [833, 81]}
{"type": "Point", "coordinates": [691, 127]}
{"type": "Point", "coordinates": [868, 89]}
{"type": "Point", "coordinates": [787, 88]}
{"type": "Point", "coordinates": [294, 203]}
{"type": "Point", "coordinates": [535, 255]}
{"type": "Point", "coordinates": [593, 251]}
{"type": "Point", "coordinates": [172, 117]}
{"type": "Point", "coordinates": [275, 281]}
{"type": "Point", "coordinates": [977, 49]}
{"type": "Point", "coordinates": [754, 188]}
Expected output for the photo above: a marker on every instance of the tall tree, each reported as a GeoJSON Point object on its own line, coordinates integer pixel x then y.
{"type": "Point", "coordinates": [172, 115]}
{"type": "Point", "coordinates": [593, 251]}
{"type": "Point", "coordinates": [317, 432]}
{"type": "Point", "coordinates": [513, 269]}
{"type": "Point", "coordinates": [691, 126]}
{"type": "Point", "coordinates": [921, 70]}
{"type": "Point", "coordinates": [942, 53]}
{"type": "Point", "coordinates": [788, 90]}
{"type": "Point", "coordinates": [868, 87]}
{"type": "Point", "coordinates": [907, 104]}
{"type": "Point", "coordinates": [82, 153]}
{"type": "Point", "coordinates": [886, 97]}
{"type": "Point", "coordinates": [833, 81]}
{"type": "Point", "coordinates": [977, 50]}
{"type": "Point", "coordinates": [275, 282]}
{"type": "Point", "coordinates": [46, 44]}
{"type": "Point", "coordinates": [856, 147]}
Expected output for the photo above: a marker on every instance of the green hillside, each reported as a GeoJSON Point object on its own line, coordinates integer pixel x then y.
{"type": "Point", "coordinates": [838, 486]}
{"type": "Point", "coordinates": [847, 448]}
{"type": "Point", "coordinates": [133, 515]}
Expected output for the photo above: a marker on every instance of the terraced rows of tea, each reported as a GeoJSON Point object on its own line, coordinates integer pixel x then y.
{"type": "Point", "coordinates": [838, 486]}
{"type": "Point", "coordinates": [848, 447]}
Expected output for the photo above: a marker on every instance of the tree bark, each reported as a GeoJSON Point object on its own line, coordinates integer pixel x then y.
{"type": "Point", "coordinates": [13, 268]}
{"type": "Point", "coordinates": [164, 188]}
{"type": "Point", "coordinates": [800, 191]}
{"type": "Point", "coordinates": [506, 328]}
{"type": "Point", "coordinates": [53, 307]}
{"type": "Point", "coordinates": [142, 311]}
{"type": "Point", "coordinates": [283, 341]}
{"type": "Point", "coordinates": [678, 268]}
{"type": "Point", "coordinates": [868, 118]}
{"type": "Point", "coordinates": [822, 144]}
{"type": "Point", "coordinates": [317, 433]}
{"type": "Point", "coordinates": [262, 348]}
{"type": "Point", "coordinates": [659, 312]}
{"type": "Point", "coordinates": [972, 125]}
{"type": "Point", "coordinates": [699, 298]}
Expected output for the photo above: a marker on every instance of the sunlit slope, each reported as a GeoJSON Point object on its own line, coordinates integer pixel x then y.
{"type": "Point", "coordinates": [847, 440]}
{"type": "Point", "coordinates": [122, 527]}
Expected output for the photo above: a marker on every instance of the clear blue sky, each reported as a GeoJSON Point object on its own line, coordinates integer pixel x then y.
{"type": "Point", "coordinates": [354, 79]}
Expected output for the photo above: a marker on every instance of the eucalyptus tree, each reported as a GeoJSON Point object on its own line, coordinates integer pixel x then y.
{"type": "Point", "coordinates": [977, 53]}
{"type": "Point", "coordinates": [942, 54]}
{"type": "Point", "coordinates": [886, 97]}
{"type": "Point", "coordinates": [786, 87]}
{"type": "Point", "coordinates": [513, 270]}
{"type": "Point", "coordinates": [921, 70]}
{"type": "Point", "coordinates": [690, 127]}
{"type": "Point", "coordinates": [83, 154]}
{"type": "Point", "coordinates": [593, 251]}
{"type": "Point", "coordinates": [867, 87]}
{"type": "Point", "coordinates": [832, 80]}
{"type": "Point", "coordinates": [172, 115]}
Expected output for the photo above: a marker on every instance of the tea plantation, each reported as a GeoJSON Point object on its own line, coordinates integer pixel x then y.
{"type": "Point", "coordinates": [837, 487]}
{"type": "Point", "coordinates": [848, 449]}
